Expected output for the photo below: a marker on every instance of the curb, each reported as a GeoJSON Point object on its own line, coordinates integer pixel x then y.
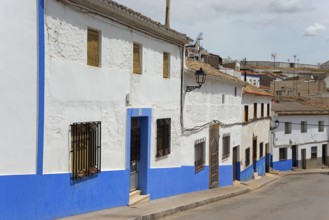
{"type": "Point", "coordinates": [193, 205]}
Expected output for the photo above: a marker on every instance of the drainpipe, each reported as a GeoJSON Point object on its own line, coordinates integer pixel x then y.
{"type": "Point", "coordinates": [182, 90]}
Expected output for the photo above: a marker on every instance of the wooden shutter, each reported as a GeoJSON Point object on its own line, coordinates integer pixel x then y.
{"type": "Point", "coordinates": [93, 48]}
{"type": "Point", "coordinates": [165, 65]}
{"type": "Point", "coordinates": [136, 59]}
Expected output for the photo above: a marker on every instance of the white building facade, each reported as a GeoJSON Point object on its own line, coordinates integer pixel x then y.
{"type": "Point", "coordinates": [211, 128]}
{"type": "Point", "coordinates": [255, 135]}
{"type": "Point", "coordinates": [301, 139]}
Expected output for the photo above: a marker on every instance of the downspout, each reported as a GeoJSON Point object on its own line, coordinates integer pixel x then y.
{"type": "Point", "coordinates": [182, 90]}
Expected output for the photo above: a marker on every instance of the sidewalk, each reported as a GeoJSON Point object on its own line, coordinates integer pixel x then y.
{"type": "Point", "coordinates": [169, 206]}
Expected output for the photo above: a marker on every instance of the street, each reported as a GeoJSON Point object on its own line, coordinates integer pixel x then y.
{"type": "Point", "coordinates": [301, 197]}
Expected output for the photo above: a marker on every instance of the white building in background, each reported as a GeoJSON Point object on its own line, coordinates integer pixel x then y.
{"type": "Point", "coordinates": [251, 78]}
{"type": "Point", "coordinates": [255, 135]}
{"type": "Point", "coordinates": [301, 139]}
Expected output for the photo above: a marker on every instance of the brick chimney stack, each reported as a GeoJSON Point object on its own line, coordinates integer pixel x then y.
{"type": "Point", "coordinates": [167, 14]}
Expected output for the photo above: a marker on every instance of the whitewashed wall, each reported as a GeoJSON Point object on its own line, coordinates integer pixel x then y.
{"type": "Point", "coordinates": [18, 96]}
{"type": "Point", "coordinates": [205, 105]}
{"type": "Point", "coordinates": [258, 128]}
{"type": "Point", "coordinates": [304, 140]}
{"type": "Point", "coordinates": [76, 92]}
{"type": "Point", "coordinates": [253, 80]}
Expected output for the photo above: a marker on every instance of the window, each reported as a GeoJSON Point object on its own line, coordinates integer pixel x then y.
{"type": "Point", "coordinates": [226, 147]}
{"type": "Point", "coordinates": [246, 113]}
{"type": "Point", "coordinates": [255, 110]}
{"type": "Point", "coordinates": [262, 110]}
{"type": "Point", "coordinates": [321, 126]}
{"type": "Point", "coordinates": [85, 149]}
{"type": "Point", "coordinates": [283, 153]}
{"type": "Point", "coordinates": [247, 157]}
{"type": "Point", "coordinates": [314, 152]}
{"type": "Point", "coordinates": [93, 48]}
{"type": "Point", "coordinates": [303, 127]}
{"type": "Point", "coordinates": [279, 92]}
{"type": "Point", "coordinates": [137, 66]}
{"type": "Point", "coordinates": [163, 137]}
{"type": "Point", "coordinates": [223, 98]}
{"type": "Point", "coordinates": [268, 109]}
{"type": "Point", "coordinates": [235, 91]}
{"type": "Point", "coordinates": [261, 150]}
{"type": "Point", "coordinates": [166, 65]}
{"type": "Point", "coordinates": [287, 127]}
{"type": "Point", "coordinates": [199, 154]}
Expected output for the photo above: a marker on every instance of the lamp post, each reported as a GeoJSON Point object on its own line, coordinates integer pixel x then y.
{"type": "Point", "coordinates": [200, 78]}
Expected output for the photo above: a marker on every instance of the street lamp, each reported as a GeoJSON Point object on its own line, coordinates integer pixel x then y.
{"type": "Point", "coordinates": [200, 78]}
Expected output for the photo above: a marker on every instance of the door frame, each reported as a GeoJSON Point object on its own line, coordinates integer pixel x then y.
{"type": "Point", "coordinates": [294, 148]}
{"type": "Point", "coordinates": [324, 154]}
{"type": "Point", "coordinates": [254, 152]}
{"type": "Point", "coordinates": [236, 163]}
{"type": "Point", "coordinates": [303, 159]}
{"type": "Point", "coordinates": [145, 120]}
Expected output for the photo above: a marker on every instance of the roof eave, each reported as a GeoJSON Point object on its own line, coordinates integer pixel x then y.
{"type": "Point", "coordinates": [107, 11]}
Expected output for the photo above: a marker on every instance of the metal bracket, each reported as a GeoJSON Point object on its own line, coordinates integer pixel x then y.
{"type": "Point", "coordinates": [191, 88]}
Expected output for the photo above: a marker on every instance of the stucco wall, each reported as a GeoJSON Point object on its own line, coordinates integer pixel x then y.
{"type": "Point", "coordinates": [18, 96]}
{"type": "Point", "coordinates": [76, 92]}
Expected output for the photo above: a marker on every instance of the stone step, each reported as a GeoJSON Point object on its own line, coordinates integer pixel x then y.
{"type": "Point", "coordinates": [138, 198]}
{"type": "Point", "coordinates": [134, 193]}
{"type": "Point", "coordinates": [256, 177]}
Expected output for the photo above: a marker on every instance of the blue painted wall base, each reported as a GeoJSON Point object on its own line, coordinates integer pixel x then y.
{"type": "Point", "coordinates": [247, 174]}
{"type": "Point", "coordinates": [225, 175]}
{"type": "Point", "coordinates": [282, 165]}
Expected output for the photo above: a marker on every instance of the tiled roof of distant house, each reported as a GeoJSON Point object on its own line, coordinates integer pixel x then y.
{"type": "Point", "coordinates": [122, 14]}
{"type": "Point", "coordinates": [195, 65]}
{"type": "Point", "coordinates": [250, 89]}
{"type": "Point", "coordinates": [301, 106]}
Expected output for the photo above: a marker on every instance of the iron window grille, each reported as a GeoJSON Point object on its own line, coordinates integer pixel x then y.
{"type": "Point", "coordinates": [314, 152]}
{"type": "Point", "coordinates": [163, 137]}
{"type": "Point", "coordinates": [268, 109]}
{"type": "Point", "coordinates": [255, 110]}
{"type": "Point", "coordinates": [283, 153]}
{"type": "Point", "coordinates": [246, 113]}
{"type": "Point", "coordinates": [321, 126]}
{"type": "Point", "coordinates": [287, 127]}
{"type": "Point", "coordinates": [85, 149]}
{"type": "Point", "coordinates": [262, 110]}
{"type": "Point", "coordinates": [247, 156]}
{"type": "Point", "coordinates": [199, 154]}
{"type": "Point", "coordinates": [226, 147]}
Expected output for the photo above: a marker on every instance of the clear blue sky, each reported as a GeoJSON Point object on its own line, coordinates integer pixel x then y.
{"type": "Point", "coordinates": [249, 28]}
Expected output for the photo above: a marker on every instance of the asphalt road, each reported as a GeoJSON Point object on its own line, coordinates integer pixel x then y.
{"type": "Point", "coordinates": [299, 197]}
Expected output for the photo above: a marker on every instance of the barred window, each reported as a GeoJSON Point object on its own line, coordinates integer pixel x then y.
{"type": "Point", "coordinates": [247, 157]}
{"type": "Point", "coordinates": [303, 126]}
{"type": "Point", "coordinates": [287, 127]}
{"type": "Point", "coordinates": [283, 153]}
{"type": "Point", "coordinates": [255, 110]}
{"type": "Point", "coordinates": [262, 109]}
{"type": "Point", "coordinates": [268, 109]}
{"type": "Point", "coordinates": [314, 152]}
{"type": "Point", "coordinates": [261, 150]}
{"type": "Point", "coordinates": [163, 137]}
{"type": "Point", "coordinates": [246, 113]}
{"type": "Point", "coordinates": [85, 149]}
{"type": "Point", "coordinates": [321, 126]}
{"type": "Point", "coordinates": [199, 154]}
{"type": "Point", "coordinates": [93, 48]}
{"type": "Point", "coordinates": [226, 147]}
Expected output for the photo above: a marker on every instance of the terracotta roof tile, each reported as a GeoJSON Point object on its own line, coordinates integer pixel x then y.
{"type": "Point", "coordinates": [195, 65]}
{"type": "Point", "coordinates": [250, 89]}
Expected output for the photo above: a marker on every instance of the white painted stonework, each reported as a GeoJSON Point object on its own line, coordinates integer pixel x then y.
{"type": "Point", "coordinates": [215, 101]}
{"type": "Point", "coordinates": [18, 96]}
{"type": "Point", "coordinates": [251, 79]}
{"type": "Point", "coordinates": [76, 92]}
{"type": "Point", "coordinates": [303, 140]}
{"type": "Point", "coordinates": [256, 127]}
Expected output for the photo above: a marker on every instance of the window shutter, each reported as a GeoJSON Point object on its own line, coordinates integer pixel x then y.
{"type": "Point", "coordinates": [93, 48]}
{"type": "Point", "coordinates": [165, 65]}
{"type": "Point", "coordinates": [136, 59]}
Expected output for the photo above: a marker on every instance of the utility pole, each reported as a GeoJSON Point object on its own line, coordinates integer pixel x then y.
{"type": "Point", "coordinates": [273, 56]}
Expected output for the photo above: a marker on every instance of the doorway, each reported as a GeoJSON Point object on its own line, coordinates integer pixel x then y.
{"type": "Point", "coordinates": [213, 155]}
{"type": "Point", "coordinates": [267, 157]}
{"type": "Point", "coordinates": [324, 154]}
{"type": "Point", "coordinates": [303, 158]}
{"type": "Point", "coordinates": [294, 150]}
{"type": "Point", "coordinates": [254, 153]}
{"type": "Point", "coordinates": [135, 138]}
{"type": "Point", "coordinates": [236, 164]}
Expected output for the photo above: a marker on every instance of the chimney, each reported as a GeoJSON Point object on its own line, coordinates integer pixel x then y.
{"type": "Point", "coordinates": [167, 13]}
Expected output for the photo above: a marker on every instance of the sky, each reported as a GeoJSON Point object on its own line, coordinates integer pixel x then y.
{"type": "Point", "coordinates": [251, 29]}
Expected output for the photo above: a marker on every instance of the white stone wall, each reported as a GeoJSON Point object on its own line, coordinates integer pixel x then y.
{"type": "Point", "coordinates": [255, 128]}
{"type": "Point", "coordinates": [253, 80]}
{"type": "Point", "coordinates": [18, 96]}
{"type": "Point", "coordinates": [214, 101]}
{"type": "Point", "coordinates": [76, 92]}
